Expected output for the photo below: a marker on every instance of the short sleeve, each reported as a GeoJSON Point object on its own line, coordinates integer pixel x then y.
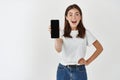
{"type": "Point", "coordinates": [90, 38]}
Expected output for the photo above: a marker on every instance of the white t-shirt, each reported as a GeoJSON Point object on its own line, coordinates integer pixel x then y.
{"type": "Point", "coordinates": [75, 48]}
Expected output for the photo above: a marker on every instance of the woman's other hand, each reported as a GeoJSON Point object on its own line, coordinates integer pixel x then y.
{"type": "Point", "coordinates": [82, 61]}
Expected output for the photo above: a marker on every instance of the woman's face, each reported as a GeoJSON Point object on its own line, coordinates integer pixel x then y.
{"type": "Point", "coordinates": [73, 17]}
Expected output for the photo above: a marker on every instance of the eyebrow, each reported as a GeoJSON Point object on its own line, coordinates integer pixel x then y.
{"type": "Point", "coordinates": [72, 13]}
{"type": "Point", "coordinates": [77, 12]}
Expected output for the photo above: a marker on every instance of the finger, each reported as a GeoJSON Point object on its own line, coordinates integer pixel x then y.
{"type": "Point", "coordinates": [82, 62]}
{"type": "Point", "coordinates": [49, 28]}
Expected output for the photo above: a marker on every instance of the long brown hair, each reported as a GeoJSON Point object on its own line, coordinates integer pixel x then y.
{"type": "Point", "coordinates": [80, 27]}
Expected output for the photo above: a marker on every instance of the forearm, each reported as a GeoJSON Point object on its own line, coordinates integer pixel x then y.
{"type": "Point", "coordinates": [99, 49]}
{"type": "Point", "coordinates": [58, 44]}
{"type": "Point", "coordinates": [93, 57]}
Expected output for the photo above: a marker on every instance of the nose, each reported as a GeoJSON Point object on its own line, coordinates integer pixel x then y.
{"type": "Point", "coordinates": [74, 17]}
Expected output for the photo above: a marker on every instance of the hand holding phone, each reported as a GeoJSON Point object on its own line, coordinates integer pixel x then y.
{"type": "Point", "coordinates": [55, 29]}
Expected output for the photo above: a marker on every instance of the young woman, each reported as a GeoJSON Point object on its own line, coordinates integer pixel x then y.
{"type": "Point", "coordinates": [72, 46]}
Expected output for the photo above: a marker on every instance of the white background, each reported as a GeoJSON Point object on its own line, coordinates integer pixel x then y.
{"type": "Point", "coordinates": [27, 51]}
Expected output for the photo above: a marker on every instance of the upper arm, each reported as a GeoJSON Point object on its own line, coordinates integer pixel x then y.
{"type": "Point", "coordinates": [90, 38]}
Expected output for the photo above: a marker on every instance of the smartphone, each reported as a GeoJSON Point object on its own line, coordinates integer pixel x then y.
{"type": "Point", "coordinates": [55, 28]}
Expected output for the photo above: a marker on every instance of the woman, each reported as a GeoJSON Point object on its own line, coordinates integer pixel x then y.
{"type": "Point", "coordinates": [72, 46]}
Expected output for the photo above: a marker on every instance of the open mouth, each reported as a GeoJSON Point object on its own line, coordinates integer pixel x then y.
{"type": "Point", "coordinates": [74, 22]}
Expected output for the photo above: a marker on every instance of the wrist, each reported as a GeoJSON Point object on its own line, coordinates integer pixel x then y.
{"type": "Point", "coordinates": [87, 62]}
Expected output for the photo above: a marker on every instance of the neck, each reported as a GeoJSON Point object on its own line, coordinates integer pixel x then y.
{"type": "Point", "coordinates": [74, 28]}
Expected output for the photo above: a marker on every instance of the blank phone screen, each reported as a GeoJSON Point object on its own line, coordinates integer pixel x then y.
{"type": "Point", "coordinates": [54, 28]}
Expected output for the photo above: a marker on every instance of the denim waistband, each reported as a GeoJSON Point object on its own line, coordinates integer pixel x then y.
{"type": "Point", "coordinates": [70, 66]}
{"type": "Point", "coordinates": [71, 72]}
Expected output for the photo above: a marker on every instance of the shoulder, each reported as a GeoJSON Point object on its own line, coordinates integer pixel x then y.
{"type": "Point", "coordinates": [87, 32]}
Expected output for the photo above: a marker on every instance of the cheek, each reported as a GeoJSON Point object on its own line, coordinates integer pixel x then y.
{"type": "Point", "coordinates": [79, 18]}
{"type": "Point", "coordinates": [69, 19]}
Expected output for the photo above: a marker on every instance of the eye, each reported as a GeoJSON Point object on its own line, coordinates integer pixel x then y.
{"type": "Point", "coordinates": [77, 14]}
{"type": "Point", "coordinates": [70, 14]}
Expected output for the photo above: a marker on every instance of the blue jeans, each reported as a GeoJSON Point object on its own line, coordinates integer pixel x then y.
{"type": "Point", "coordinates": [71, 73]}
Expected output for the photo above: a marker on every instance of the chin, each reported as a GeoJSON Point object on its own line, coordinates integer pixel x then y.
{"type": "Point", "coordinates": [74, 25]}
